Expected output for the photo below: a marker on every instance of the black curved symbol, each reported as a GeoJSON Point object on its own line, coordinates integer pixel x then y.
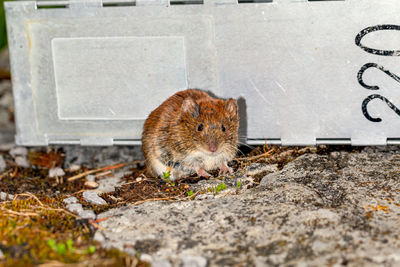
{"type": "Point", "coordinates": [374, 65]}
{"type": "Point", "coordinates": [367, 30]}
{"type": "Point", "coordinates": [384, 99]}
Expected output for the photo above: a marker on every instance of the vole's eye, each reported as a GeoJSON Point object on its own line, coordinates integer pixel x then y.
{"type": "Point", "coordinates": [200, 127]}
{"type": "Point", "coordinates": [223, 128]}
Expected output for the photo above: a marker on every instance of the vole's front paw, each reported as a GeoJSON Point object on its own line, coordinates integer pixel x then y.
{"type": "Point", "coordinates": [202, 172]}
{"type": "Point", "coordinates": [225, 169]}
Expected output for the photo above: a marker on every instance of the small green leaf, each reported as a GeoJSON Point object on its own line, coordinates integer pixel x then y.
{"type": "Point", "coordinates": [190, 193]}
{"type": "Point", "coordinates": [220, 187]}
{"type": "Point", "coordinates": [52, 244]}
{"type": "Point", "coordinates": [92, 249]}
{"type": "Point", "coordinates": [166, 174]}
{"type": "Point", "coordinates": [61, 249]}
{"type": "Point", "coordinates": [70, 245]}
{"type": "Point", "coordinates": [239, 184]}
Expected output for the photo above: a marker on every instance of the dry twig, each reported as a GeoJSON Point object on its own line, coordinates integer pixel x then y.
{"type": "Point", "coordinates": [30, 195]}
{"type": "Point", "coordinates": [16, 213]}
{"type": "Point", "coordinates": [4, 174]}
{"type": "Point", "coordinates": [107, 168]}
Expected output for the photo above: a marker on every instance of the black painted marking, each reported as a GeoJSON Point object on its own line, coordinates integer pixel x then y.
{"type": "Point", "coordinates": [374, 51]}
{"type": "Point", "coordinates": [374, 65]}
{"type": "Point", "coordinates": [384, 99]}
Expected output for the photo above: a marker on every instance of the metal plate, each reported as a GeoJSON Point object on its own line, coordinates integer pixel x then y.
{"type": "Point", "coordinates": [90, 72]}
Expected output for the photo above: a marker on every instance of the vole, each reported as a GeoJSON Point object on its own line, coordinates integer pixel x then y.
{"type": "Point", "coordinates": [191, 133]}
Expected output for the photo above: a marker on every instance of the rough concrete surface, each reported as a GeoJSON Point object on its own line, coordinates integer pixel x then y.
{"type": "Point", "coordinates": [336, 209]}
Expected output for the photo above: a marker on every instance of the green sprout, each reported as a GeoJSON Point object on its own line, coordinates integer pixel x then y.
{"type": "Point", "coordinates": [167, 175]}
{"type": "Point", "coordinates": [220, 188]}
{"type": "Point", "coordinates": [90, 250]}
{"type": "Point", "coordinates": [239, 184]}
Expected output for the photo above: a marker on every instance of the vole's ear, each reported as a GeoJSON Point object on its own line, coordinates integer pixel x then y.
{"type": "Point", "coordinates": [231, 107]}
{"type": "Point", "coordinates": [189, 105]}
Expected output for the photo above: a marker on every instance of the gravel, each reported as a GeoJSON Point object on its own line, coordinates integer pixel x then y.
{"type": "Point", "coordinates": [92, 197]}
{"type": "Point", "coordinates": [56, 172]}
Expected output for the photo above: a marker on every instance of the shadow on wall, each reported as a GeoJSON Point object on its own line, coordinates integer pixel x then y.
{"type": "Point", "coordinates": [3, 32]}
{"type": "Point", "coordinates": [243, 120]}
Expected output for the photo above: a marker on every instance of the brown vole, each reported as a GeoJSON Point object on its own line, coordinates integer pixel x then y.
{"type": "Point", "coordinates": [191, 132]}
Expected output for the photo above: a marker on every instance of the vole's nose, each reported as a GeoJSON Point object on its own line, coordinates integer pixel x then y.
{"type": "Point", "coordinates": [212, 146]}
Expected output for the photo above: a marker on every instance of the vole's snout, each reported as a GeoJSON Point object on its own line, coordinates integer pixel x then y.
{"type": "Point", "coordinates": [212, 146]}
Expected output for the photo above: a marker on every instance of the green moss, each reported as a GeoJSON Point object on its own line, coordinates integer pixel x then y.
{"type": "Point", "coordinates": [38, 231]}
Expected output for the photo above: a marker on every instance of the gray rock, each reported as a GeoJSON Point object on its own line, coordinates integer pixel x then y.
{"type": "Point", "coordinates": [92, 197]}
{"type": "Point", "coordinates": [160, 263]}
{"type": "Point", "coordinates": [87, 214]}
{"type": "Point", "coordinates": [75, 208]}
{"type": "Point", "coordinates": [260, 168]}
{"type": "Point", "coordinates": [4, 196]}
{"type": "Point", "coordinates": [193, 261]}
{"type": "Point", "coordinates": [56, 172]}
{"type": "Point", "coordinates": [319, 210]}
{"type": "Point", "coordinates": [3, 164]}
{"type": "Point", "coordinates": [205, 196]}
{"type": "Point", "coordinates": [70, 200]}
{"type": "Point", "coordinates": [19, 151]}
{"type": "Point", "coordinates": [108, 184]}
{"type": "Point", "coordinates": [99, 237]}
{"type": "Point", "coordinates": [21, 161]}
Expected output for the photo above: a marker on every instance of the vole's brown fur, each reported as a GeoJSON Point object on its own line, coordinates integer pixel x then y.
{"type": "Point", "coordinates": [191, 132]}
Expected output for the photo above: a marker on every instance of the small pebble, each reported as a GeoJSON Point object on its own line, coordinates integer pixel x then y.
{"type": "Point", "coordinates": [139, 179]}
{"type": "Point", "coordinates": [87, 214]}
{"type": "Point", "coordinates": [3, 164]}
{"type": "Point", "coordinates": [56, 172]}
{"type": "Point", "coordinates": [91, 184]}
{"type": "Point", "coordinates": [335, 154]}
{"type": "Point", "coordinates": [74, 168]}
{"type": "Point", "coordinates": [99, 237]}
{"type": "Point", "coordinates": [19, 151]}
{"type": "Point", "coordinates": [130, 251]}
{"type": "Point", "coordinates": [7, 100]}
{"type": "Point", "coordinates": [22, 162]}
{"type": "Point", "coordinates": [90, 178]}
{"type": "Point", "coordinates": [6, 147]}
{"type": "Point", "coordinates": [193, 261]}
{"type": "Point", "coordinates": [146, 257]}
{"type": "Point", "coordinates": [70, 200]}
{"type": "Point", "coordinates": [75, 207]}
{"type": "Point", "coordinates": [4, 196]}
{"type": "Point", "coordinates": [92, 197]}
